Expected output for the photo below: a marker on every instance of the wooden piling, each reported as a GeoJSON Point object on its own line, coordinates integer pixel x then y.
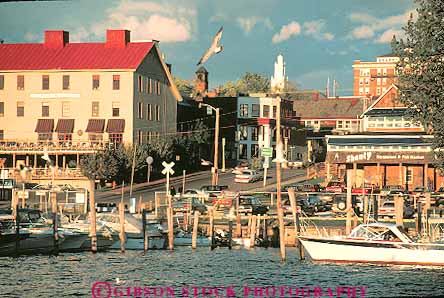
{"type": "Point", "coordinates": [265, 233]}
{"type": "Point", "coordinates": [139, 205]}
{"type": "Point", "coordinates": [17, 229]}
{"type": "Point", "coordinates": [170, 228]}
{"type": "Point", "coordinates": [375, 208]}
{"type": "Point", "coordinates": [230, 233]}
{"type": "Point", "coordinates": [145, 232]}
{"type": "Point", "coordinates": [349, 205]}
{"type": "Point", "coordinates": [54, 221]}
{"type": "Point", "coordinates": [252, 231]}
{"type": "Point", "coordinates": [211, 213]}
{"type": "Point", "coordinates": [298, 231]}
{"type": "Point", "coordinates": [249, 225]}
{"type": "Point", "coordinates": [238, 226]}
{"type": "Point", "coordinates": [419, 219]}
{"type": "Point", "coordinates": [122, 226]}
{"type": "Point", "coordinates": [399, 209]}
{"type": "Point", "coordinates": [365, 214]}
{"type": "Point", "coordinates": [297, 226]}
{"type": "Point", "coordinates": [427, 202]}
{"type": "Point", "coordinates": [195, 228]}
{"type": "Point", "coordinates": [92, 212]}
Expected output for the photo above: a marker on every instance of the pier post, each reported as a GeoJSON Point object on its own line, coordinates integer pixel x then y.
{"type": "Point", "coordinates": [170, 227]}
{"type": "Point", "coordinates": [92, 212]}
{"type": "Point", "coordinates": [365, 214]}
{"type": "Point", "coordinates": [145, 233]}
{"type": "Point", "coordinates": [419, 219]}
{"type": "Point", "coordinates": [230, 232]}
{"type": "Point", "coordinates": [375, 208]}
{"type": "Point", "coordinates": [296, 222]}
{"type": "Point", "coordinates": [211, 228]}
{"type": "Point", "coordinates": [122, 226]}
{"type": "Point", "coordinates": [349, 203]}
{"type": "Point", "coordinates": [399, 209]}
{"type": "Point", "coordinates": [298, 230]}
{"type": "Point", "coordinates": [54, 221]}
{"type": "Point", "coordinates": [195, 227]}
{"type": "Point", "coordinates": [265, 232]}
{"type": "Point", "coordinates": [249, 225]}
{"type": "Point", "coordinates": [139, 207]}
{"type": "Point", "coordinates": [17, 229]}
{"type": "Point", "coordinates": [252, 231]}
{"type": "Point", "coordinates": [238, 225]}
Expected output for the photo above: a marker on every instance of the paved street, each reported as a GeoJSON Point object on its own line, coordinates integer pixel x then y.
{"type": "Point", "coordinates": [199, 180]}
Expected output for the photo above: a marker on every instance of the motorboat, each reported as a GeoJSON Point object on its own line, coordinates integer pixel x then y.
{"type": "Point", "coordinates": [378, 243]}
{"type": "Point", "coordinates": [134, 231]}
{"type": "Point", "coordinates": [185, 239]}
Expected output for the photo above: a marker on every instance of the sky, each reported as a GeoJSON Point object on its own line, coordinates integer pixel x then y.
{"type": "Point", "coordinates": [319, 39]}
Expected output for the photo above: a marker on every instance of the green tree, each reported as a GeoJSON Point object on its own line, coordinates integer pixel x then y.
{"type": "Point", "coordinates": [186, 87]}
{"type": "Point", "coordinates": [228, 89]}
{"type": "Point", "coordinates": [253, 83]}
{"type": "Point", "coordinates": [421, 69]}
{"type": "Point", "coordinates": [99, 166]}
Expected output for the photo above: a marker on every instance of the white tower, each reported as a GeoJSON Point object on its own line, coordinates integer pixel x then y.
{"type": "Point", "coordinates": [279, 80]}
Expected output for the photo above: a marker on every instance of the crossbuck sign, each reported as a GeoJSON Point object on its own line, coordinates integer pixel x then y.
{"type": "Point", "coordinates": [168, 169]}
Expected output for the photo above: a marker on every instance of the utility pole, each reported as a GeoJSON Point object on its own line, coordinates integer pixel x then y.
{"type": "Point", "coordinates": [216, 149]}
{"type": "Point", "coordinates": [223, 155]}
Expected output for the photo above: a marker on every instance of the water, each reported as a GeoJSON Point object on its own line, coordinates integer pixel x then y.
{"type": "Point", "coordinates": [73, 274]}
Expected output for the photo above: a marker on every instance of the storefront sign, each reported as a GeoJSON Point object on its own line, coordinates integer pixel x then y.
{"type": "Point", "coordinates": [382, 157]}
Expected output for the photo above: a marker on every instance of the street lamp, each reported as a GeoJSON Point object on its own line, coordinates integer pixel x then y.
{"type": "Point", "coordinates": [216, 141]}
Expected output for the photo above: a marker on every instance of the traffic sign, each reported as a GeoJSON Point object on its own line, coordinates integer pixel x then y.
{"type": "Point", "coordinates": [267, 152]}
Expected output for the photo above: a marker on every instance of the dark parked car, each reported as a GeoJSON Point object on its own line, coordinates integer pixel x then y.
{"type": "Point", "coordinates": [213, 190]}
{"type": "Point", "coordinates": [388, 209]}
{"type": "Point", "coordinates": [185, 204]}
{"type": "Point", "coordinates": [251, 205]}
{"type": "Point", "coordinates": [302, 204]}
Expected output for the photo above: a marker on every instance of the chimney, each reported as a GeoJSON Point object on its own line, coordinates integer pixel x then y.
{"type": "Point", "coordinates": [56, 39]}
{"type": "Point", "coordinates": [117, 38]}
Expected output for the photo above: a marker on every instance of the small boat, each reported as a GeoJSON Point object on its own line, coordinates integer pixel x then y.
{"type": "Point", "coordinates": [134, 231]}
{"type": "Point", "coordinates": [377, 243]}
{"type": "Point", "coordinates": [185, 239]}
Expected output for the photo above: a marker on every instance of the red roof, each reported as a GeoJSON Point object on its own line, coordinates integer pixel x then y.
{"type": "Point", "coordinates": [37, 56]}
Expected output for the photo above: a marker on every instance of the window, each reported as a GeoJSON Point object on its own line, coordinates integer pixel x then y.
{"type": "Point", "coordinates": [45, 82]}
{"type": "Point", "coordinates": [384, 71]}
{"type": "Point", "coordinates": [139, 136]}
{"type": "Point", "coordinates": [255, 110]}
{"type": "Point", "coordinates": [339, 124]}
{"type": "Point", "coordinates": [158, 88]}
{"type": "Point", "coordinates": [63, 137]}
{"type": "Point", "coordinates": [274, 111]}
{"type": "Point", "coordinates": [139, 83]}
{"type": "Point", "coordinates": [242, 151]}
{"type": "Point", "coordinates": [150, 87]}
{"type": "Point", "coordinates": [2, 109]}
{"type": "Point", "coordinates": [409, 176]}
{"type": "Point", "coordinates": [116, 109]}
{"type": "Point", "coordinates": [243, 110]}
{"type": "Point", "coordinates": [2, 82]}
{"type": "Point", "coordinates": [384, 81]}
{"type": "Point", "coordinates": [116, 82]}
{"type": "Point", "coordinates": [361, 81]}
{"type": "Point", "coordinates": [140, 110]}
{"type": "Point", "coordinates": [45, 136]}
{"type": "Point", "coordinates": [149, 112]}
{"type": "Point", "coordinates": [20, 82]}
{"type": "Point", "coordinates": [254, 133]}
{"type": "Point", "coordinates": [65, 109]}
{"type": "Point", "coordinates": [66, 82]}
{"type": "Point", "coordinates": [157, 113]}
{"type": "Point", "coordinates": [379, 71]}
{"type": "Point", "coordinates": [2, 134]}
{"type": "Point", "coordinates": [378, 91]}
{"type": "Point", "coordinates": [148, 137]}
{"type": "Point", "coordinates": [266, 112]}
{"type": "Point", "coordinates": [378, 81]}
{"type": "Point", "coordinates": [243, 132]}
{"type": "Point", "coordinates": [367, 90]}
{"type": "Point", "coordinates": [20, 109]}
{"type": "Point", "coordinates": [361, 90]}
{"type": "Point", "coordinates": [116, 138]}
{"type": "Point", "coordinates": [45, 109]}
{"type": "Point", "coordinates": [254, 150]}
{"type": "Point", "coordinates": [95, 109]}
{"type": "Point", "coordinates": [96, 82]}
{"type": "Point", "coordinates": [95, 138]}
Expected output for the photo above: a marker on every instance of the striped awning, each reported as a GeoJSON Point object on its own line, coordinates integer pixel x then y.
{"type": "Point", "coordinates": [115, 126]}
{"type": "Point", "coordinates": [44, 126]}
{"type": "Point", "coordinates": [95, 125]}
{"type": "Point", "coordinates": [65, 126]}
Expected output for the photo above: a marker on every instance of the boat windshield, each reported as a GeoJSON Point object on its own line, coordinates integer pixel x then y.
{"type": "Point", "coordinates": [374, 233]}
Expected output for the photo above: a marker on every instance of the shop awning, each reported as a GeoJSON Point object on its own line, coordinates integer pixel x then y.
{"type": "Point", "coordinates": [115, 126]}
{"type": "Point", "coordinates": [44, 126]}
{"type": "Point", "coordinates": [95, 125]}
{"type": "Point", "coordinates": [65, 126]}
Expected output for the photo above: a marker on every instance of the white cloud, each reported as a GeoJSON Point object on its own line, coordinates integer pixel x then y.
{"type": "Point", "coordinates": [248, 23]}
{"type": "Point", "coordinates": [316, 30]}
{"type": "Point", "coordinates": [371, 26]}
{"type": "Point", "coordinates": [287, 31]}
{"type": "Point", "coordinates": [146, 20]}
{"type": "Point", "coordinates": [387, 36]}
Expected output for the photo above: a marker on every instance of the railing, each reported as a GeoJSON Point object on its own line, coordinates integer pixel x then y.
{"type": "Point", "coordinates": [53, 145]}
{"type": "Point", "coordinates": [44, 173]}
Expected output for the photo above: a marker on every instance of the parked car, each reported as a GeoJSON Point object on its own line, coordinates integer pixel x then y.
{"type": "Point", "coordinates": [419, 190]}
{"type": "Point", "coordinates": [251, 205]}
{"type": "Point", "coordinates": [213, 190]}
{"type": "Point", "coordinates": [248, 176]}
{"type": "Point", "coordinates": [392, 189]}
{"type": "Point", "coordinates": [192, 192]}
{"type": "Point", "coordinates": [388, 209]}
{"type": "Point", "coordinates": [439, 197]}
{"type": "Point", "coordinates": [189, 204]}
{"type": "Point", "coordinates": [297, 164]}
{"type": "Point", "coordinates": [307, 187]}
{"type": "Point", "coordinates": [340, 204]}
{"type": "Point", "coordinates": [243, 165]}
{"type": "Point", "coordinates": [335, 186]}
{"type": "Point", "coordinates": [302, 205]}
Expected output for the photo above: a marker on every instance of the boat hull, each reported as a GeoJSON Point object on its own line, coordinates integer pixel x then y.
{"type": "Point", "coordinates": [384, 252]}
{"type": "Point", "coordinates": [137, 243]}
{"type": "Point", "coordinates": [187, 241]}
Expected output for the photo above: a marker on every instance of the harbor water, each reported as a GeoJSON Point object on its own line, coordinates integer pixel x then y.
{"type": "Point", "coordinates": [184, 273]}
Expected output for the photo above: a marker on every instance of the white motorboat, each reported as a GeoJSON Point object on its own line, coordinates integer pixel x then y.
{"type": "Point", "coordinates": [134, 231]}
{"type": "Point", "coordinates": [379, 243]}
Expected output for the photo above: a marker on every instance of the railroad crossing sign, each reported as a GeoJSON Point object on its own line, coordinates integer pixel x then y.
{"type": "Point", "coordinates": [267, 152]}
{"type": "Point", "coordinates": [168, 169]}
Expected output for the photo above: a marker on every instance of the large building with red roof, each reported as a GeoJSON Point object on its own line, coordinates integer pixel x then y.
{"type": "Point", "coordinates": [73, 97]}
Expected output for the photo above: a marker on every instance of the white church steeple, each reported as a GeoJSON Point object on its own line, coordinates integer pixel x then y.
{"type": "Point", "coordinates": [279, 80]}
